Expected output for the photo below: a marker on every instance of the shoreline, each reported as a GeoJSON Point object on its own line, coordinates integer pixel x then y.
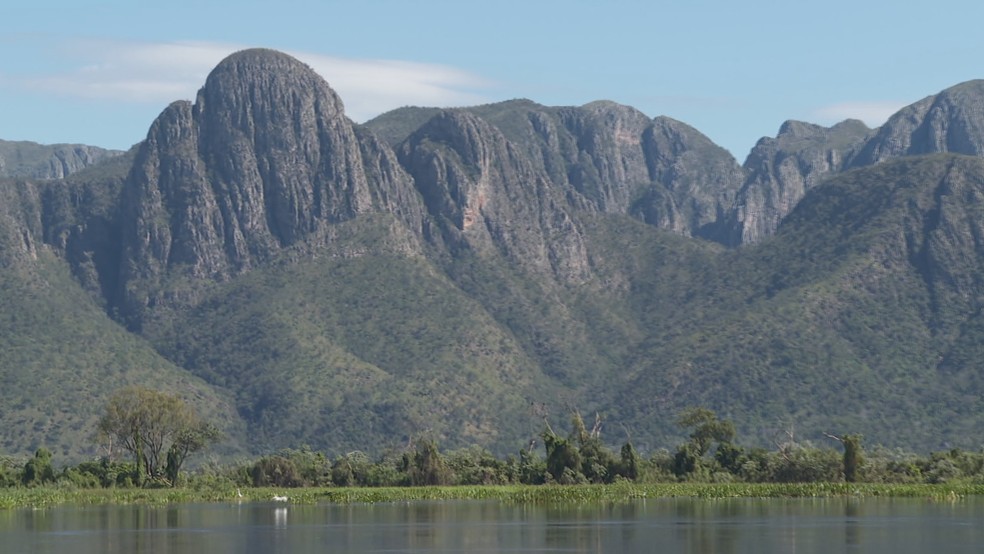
{"type": "Point", "coordinates": [45, 497]}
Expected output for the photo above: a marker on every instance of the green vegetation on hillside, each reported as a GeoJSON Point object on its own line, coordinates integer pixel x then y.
{"type": "Point", "coordinates": [863, 313]}
{"type": "Point", "coordinates": [840, 320]}
{"type": "Point", "coordinates": [61, 357]}
{"type": "Point", "coordinates": [366, 352]}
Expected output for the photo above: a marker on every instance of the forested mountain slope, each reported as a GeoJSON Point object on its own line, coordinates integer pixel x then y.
{"type": "Point", "coordinates": [465, 274]}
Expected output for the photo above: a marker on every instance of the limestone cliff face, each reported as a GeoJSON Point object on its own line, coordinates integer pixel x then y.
{"type": "Point", "coordinates": [593, 153]}
{"type": "Point", "coordinates": [264, 159]}
{"type": "Point", "coordinates": [608, 164]}
{"type": "Point", "coordinates": [693, 181]}
{"type": "Point", "coordinates": [485, 194]}
{"type": "Point", "coordinates": [44, 161]}
{"type": "Point", "coordinates": [20, 223]}
{"type": "Point", "coordinates": [607, 158]}
{"type": "Point", "coordinates": [781, 170]}
{"type": "Point", "coordinates": [515, 176]}
{"type": "Point", "coordinates": [951, 121]}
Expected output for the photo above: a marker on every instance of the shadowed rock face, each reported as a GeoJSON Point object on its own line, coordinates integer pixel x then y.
{"type": "Point", "coordinates": [263, 159]}
{"type": "Point", "coordinates": [20, 223]}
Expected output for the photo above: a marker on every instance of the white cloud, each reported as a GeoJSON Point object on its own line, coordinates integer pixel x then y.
{"type": "Point", "coordinates": [874, 114]}
{"type": "Point", "coordinates": [137, 72]}
{"type": "Point", "coordinates": [370, 87]}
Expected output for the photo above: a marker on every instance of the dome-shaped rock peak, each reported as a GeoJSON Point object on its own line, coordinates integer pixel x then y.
{"type": "Point", "coordinates": [255, 80]}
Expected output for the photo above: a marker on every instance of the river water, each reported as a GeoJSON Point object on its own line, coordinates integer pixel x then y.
{"type": "Point", "coordinates": [799, 526]}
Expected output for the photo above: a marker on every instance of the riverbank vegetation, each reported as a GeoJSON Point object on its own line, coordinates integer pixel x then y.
{"type": "Point", "coordinates": [576, 466]}
{"type": "Point", "coordinates": [577, 459]}
{"type": "Point", "coordinates": [62, 494]}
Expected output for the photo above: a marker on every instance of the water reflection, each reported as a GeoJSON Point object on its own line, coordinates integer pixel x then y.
{"type": "Point", "coordinates": [852, 527]}
{"type": "Point", "coordinates": [672, 525]}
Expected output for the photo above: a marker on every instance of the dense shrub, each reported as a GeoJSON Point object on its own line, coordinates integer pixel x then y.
{"type": "Point", "coordinates": [806, 465]}
{"type": "Point", "coordinates": [275, 471]}
{"type": "Point", "coordinates": [477, 466]}
{"type": "Point", "coordinates": [103, 473]}
{"type": "Point", "coordinates": [9, 476]}
{"type": "Point", "coordinates": [38, 470]}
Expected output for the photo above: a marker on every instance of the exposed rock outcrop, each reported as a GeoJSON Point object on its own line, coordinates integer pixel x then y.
{"type": "Point", "coordinates": [20, 222]}
{"type": "Point", "coordinates": [48, 161]}
{"type": "Point", "coordinates": [608, 158]}
{"type": "Point", "coordinates": [951, 121]}
{"type": "Point", "coordinates": [781, 170]}
{"type": "Point", "coordinates": [263, 159]}
{"type": "Point", "coordinates": [693, 181]}
{"type": "Point", "coordinates": [485, 194]}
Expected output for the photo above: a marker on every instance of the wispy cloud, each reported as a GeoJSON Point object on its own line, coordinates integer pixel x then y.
{"type": "Point", "coordinates": [137, 72]}
{"type": "Point", "coordinates": [874, 114]}
{"type": "Point", "coordinates": [370, 87]}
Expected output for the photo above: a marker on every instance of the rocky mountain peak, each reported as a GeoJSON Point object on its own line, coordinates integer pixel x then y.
{"type": "Point", "coordinates": [779, 172]}
{"type": "Point", "coordinates": [244, 79]}
{"type": "Point", "coordinates": [264, 159]}
{"type": "Point", "coordinates": [951, 121]}
{"type": "Point", "coordinates": [795, 128]}
{"type": "Point", "coordinates": [487, 194]}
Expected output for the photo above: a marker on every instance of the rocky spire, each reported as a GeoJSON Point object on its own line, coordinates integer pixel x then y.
{"type": "Point", "coordinates": [264, 158]}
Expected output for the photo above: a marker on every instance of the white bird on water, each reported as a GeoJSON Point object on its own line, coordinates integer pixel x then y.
{"type": "Point", "coordinates": [280, 499]}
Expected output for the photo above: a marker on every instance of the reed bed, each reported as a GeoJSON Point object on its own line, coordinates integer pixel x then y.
{"type": "Point", "coordinates": [43, 497]}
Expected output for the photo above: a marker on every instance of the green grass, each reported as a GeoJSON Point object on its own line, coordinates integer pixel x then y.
{"type": "Point", "coordinates": [43, 497]}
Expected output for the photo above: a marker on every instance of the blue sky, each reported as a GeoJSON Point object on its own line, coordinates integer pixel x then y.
{"type": "Point", "coordinates": [99, 72]}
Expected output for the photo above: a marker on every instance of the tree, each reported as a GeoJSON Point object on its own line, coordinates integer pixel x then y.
{"type": "Point", "coordinates": [598, 465]}
{"type": "Point", "coordinates": [8, 477]}
{"type": "Point", "coordinates": [38, 470]}
{"type": "Point", "coordinates": [428, 467]}
{"type": "Point", "coordinates": [729, 456]}
{"type": "Point", "coordinates": [629, 462]}
{"type": "Point", "coordinates": [853, 457]}
{"type": "Point", "coordinates": [152, 425]}
{"type": "Point", "coordinates": [275, 471]}
{"type": "Point", "coordinates": [196, 436]}
{"type": "Point", "coordinates": [563, 458]}
{"type": "Point", "coordinates": [707, 428]}
{"type": "Point", "coordinates": [532, 469]}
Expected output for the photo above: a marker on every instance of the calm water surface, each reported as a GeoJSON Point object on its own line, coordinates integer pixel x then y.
{"type": "Point", "coordinates": [665, 525]}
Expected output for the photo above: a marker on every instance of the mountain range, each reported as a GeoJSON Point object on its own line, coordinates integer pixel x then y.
{"type": "Point", "coordinates": [466, 274]}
